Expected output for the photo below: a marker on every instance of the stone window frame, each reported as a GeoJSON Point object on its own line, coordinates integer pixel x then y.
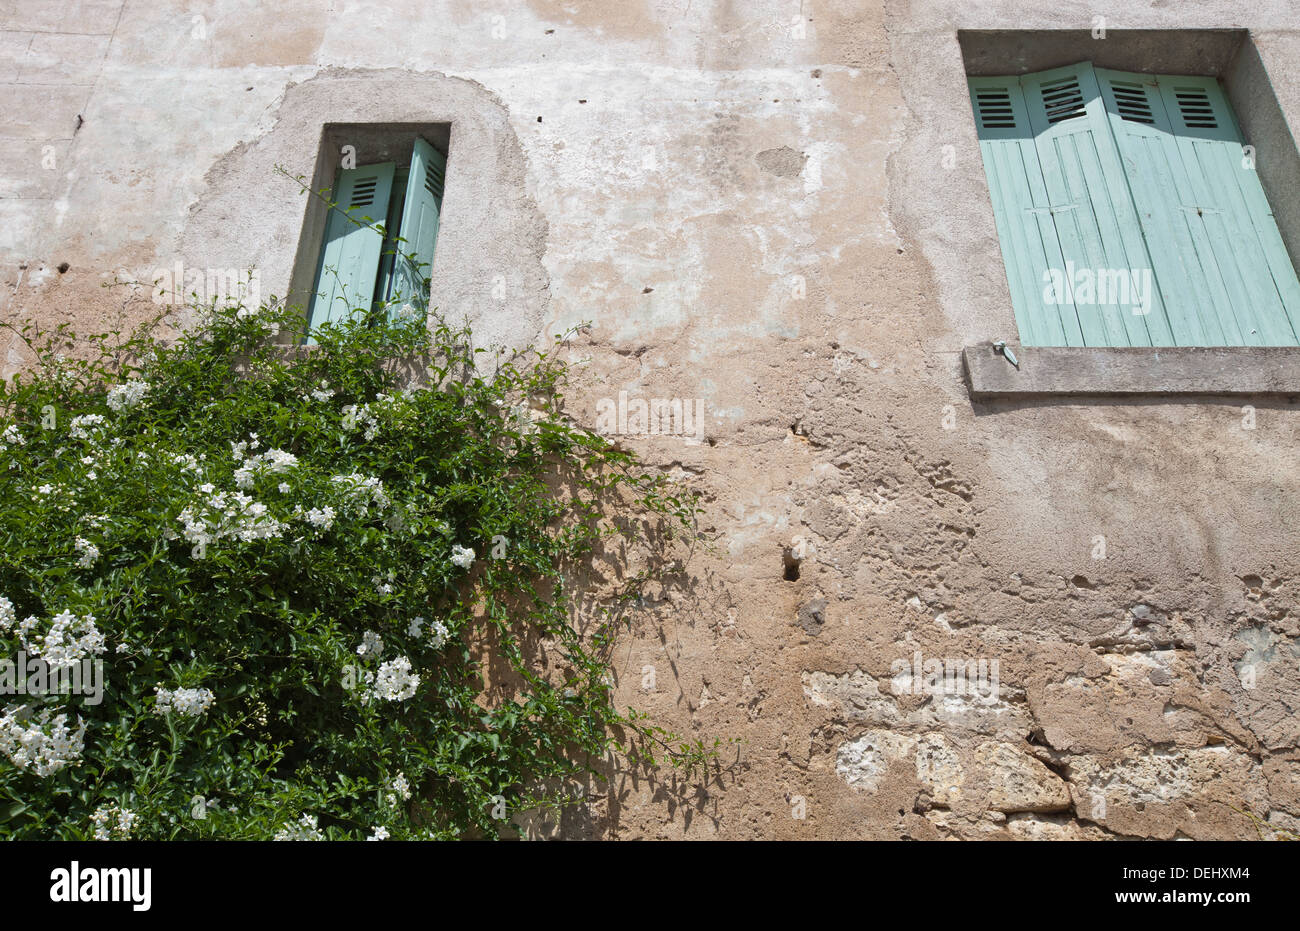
{"type": "Point", "coordinates": [367, 143]}
{"type": "Point", "coordinates": [488, 268]}
{"type": "Point", "coordinates": [1043, 371]}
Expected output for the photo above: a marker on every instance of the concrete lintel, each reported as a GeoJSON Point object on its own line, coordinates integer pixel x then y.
{"type": "Point", "coordinates": [1051, 370]}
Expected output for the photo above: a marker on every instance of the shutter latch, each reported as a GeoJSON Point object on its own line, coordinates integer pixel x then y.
{"type": "Point", "coordinates": [1001, 347]}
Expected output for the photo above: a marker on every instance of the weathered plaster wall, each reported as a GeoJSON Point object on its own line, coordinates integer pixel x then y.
{"type": "Point", "coordinates": [670, 171]}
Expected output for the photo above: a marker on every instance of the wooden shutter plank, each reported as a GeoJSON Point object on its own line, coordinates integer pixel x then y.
{"type": "Point", "coordinates": [1254, 303]}
{"type": "Point", "coordinates": [1095, 229]}
{"type": "Point", "coordinates": [1254, 210]}
{"type": "Point", "coordinates": [1024, 246]}
{"type": "Point", "coordinates": [1146, 320]}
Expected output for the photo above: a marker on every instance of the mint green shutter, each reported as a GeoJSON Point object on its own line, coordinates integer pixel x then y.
{"type": "Point", "coordinates": [1218, 255]}
{"type": "Point", "coordinates": [1101, 241]}
{"type": "Point", "coordinates": [1020, 209]}
{"type": "Point", "coordinates": [1158, 187]}
{"type": "Point", "coordinates": [1063, 210]}
{"type": "Point", "coordinates": [349, 263]}
{"type": "Point", "coordinates": [419, 227]}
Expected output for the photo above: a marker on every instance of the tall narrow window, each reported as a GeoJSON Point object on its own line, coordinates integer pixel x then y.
{"type": "Point", "coordinates": [380, 237]}
{"type": "Point", "coordinates": [1130, 213]}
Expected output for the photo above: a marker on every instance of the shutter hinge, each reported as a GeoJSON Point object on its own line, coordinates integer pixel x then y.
{"type": "Point", "coordinates": [1052, 211]}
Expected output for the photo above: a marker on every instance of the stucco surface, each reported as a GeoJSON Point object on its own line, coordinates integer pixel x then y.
{"type": "Point", "coordinates": [754, 205]}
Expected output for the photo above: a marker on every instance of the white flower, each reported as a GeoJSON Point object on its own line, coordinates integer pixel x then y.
{"type": "Point", "coordinates": [68, 640]}
{"type": "Point", "coordinates": [220, 515]}
{"type": "Point", "coordinates": [381, 586]}
{"type": "Point", "coordinates": [278, 460]}
{"type": "Point", "coordinates": [438, 634]}
{"type": "Point", "coordinates": [399, 790]}
{"type": "Point", "coordinates": [394, 681]}
{"type": "Point", "coordinates": [126, 396]}
{"type": "Point", "coordinates": [187, 463]}
{"type": "Point", "coordinates": [271, 462]}
{"type": "Point", "coordinates": [12, 436]}
{"type": "Point", "coordinates": [323, 393]}
{"type": "Point", "coordinates": [89, 553]}
{"type": "Point", "coordinates": [82, 426]}
{"type": "Point", "coordinates": [413, 628]}
{"type": "Point", "coordinates": [355, 416]}
{"type": "Point", "coordinates": [305, 829]}
{"type": "Point", "coordinates": [322, 518]}
{"type": "Point", "coordinates": [43, 743]}
{"type": "Point", "coordinates": [371, 644]}
{"type": "Point", "coordinates": [462, 556]}
{"type": "Point", "coordinates": [380, 833]}
{"type": "Point", "coordinates": [283, 488]}
{"type": "Point", "coordinates": [113, 823]}
{"type": "Point", "coordinates": [188, 703]}
{"type": "Point", "coordinates": [45, 489]}
{"type": "Point", "coordinates": [7, 615]}
{"type": "Point", "coordinates": [360, 491]}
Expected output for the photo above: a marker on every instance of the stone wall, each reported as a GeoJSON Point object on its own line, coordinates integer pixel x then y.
{"type": "Point", "coordinates": [779, 209]}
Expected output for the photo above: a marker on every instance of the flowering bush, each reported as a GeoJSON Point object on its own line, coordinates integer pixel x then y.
{"type": "Point", "coordinates": [326, 590]}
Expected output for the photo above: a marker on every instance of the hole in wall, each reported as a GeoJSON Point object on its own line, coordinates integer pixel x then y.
{"type": "Point", "coordinates": [790, 565]}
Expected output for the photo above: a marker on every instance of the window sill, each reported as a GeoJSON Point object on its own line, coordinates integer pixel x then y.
{"type": "Point", "coordinates": [1055, 371]}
